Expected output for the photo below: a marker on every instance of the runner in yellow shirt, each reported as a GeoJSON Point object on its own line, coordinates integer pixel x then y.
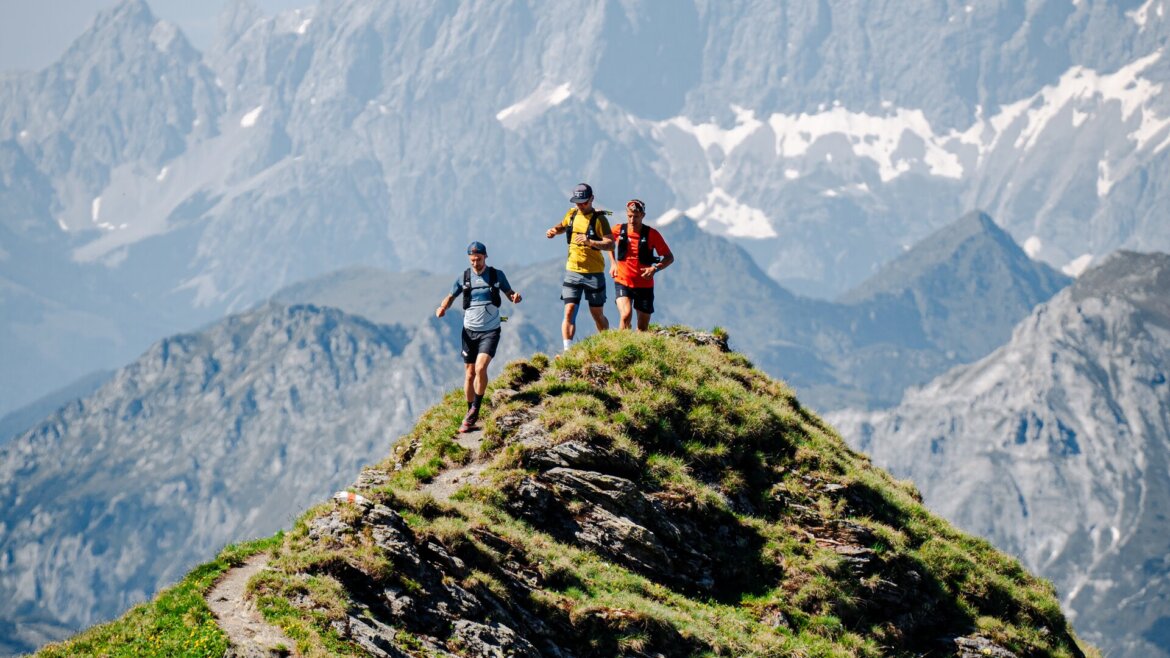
{"type": "Point", "coordinates": [588, 234]}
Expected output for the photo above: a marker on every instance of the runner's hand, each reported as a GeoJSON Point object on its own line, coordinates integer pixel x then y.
{"type": "Point", "coordinates": [613, 271]}
{"type": "Point", "coordinates": [515, 298]}
{"type": "Point", "coordinates": [440, 312]}
{"type": "Point", "coordinates": [648, 272]}
{"type": "Point", "coordinates": [551, 233]}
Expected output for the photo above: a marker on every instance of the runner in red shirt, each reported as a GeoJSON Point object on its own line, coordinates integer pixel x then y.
{"type": "Point", "coordinates": [635, 264]}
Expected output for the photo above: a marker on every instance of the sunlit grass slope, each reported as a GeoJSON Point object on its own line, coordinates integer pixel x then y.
{"type": "Point", "coordinates": [775, 538]}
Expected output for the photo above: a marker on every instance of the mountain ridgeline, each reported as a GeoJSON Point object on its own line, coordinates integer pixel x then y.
{"type": "Point", "coordinates": [1056, 447]}
{"type": "Point", "coordinates": [643, 495]}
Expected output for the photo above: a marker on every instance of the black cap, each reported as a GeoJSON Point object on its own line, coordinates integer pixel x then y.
{"type": "Point", "coordinates": [476, 248]}
{"type": "Point", "coordinates": [581, 193]}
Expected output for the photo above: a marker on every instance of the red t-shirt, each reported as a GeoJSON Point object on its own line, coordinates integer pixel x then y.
{"type": "Point", "coordinates": [628, 269]}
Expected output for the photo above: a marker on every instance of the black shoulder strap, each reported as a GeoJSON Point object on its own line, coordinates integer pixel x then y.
{"type": "Point", "coordinates": [466, 289]}
{"type": "Point", "coordinates": [645, 251]}
{"type": "Point", "coordinates": [623, 244]}
{"type": "Point", "coordinates": [494, 285]}
{"type": "Point", "coordinates": [569, 231]}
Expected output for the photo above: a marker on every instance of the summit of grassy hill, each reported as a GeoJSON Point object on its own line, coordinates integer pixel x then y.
{"type": "Point", "coordinates": [643, 494]}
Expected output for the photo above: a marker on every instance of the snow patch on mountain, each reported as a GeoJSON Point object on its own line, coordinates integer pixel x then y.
{"type": "Point", "coordinates": [1079, 87]}
{"type": "Point", "coordinates": [546, 97]}
{"type": "Point", "coordinates": [148, 204]}
{"type": "Point", "coordinates": [1142, 14]}
{"type": "Point", "coordinates": [735, 218]}
{"type": "Point", "coordinates": [901, 141]}
{"type": "Point", "coordinates": [886, 140]}
{"type": "Point", "coordinates": [249, 119]}
{"type": "Point", "coordinates": [711, 134]}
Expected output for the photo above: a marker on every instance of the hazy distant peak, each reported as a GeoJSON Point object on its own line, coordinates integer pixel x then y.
{"type": "Point", "coordinates": [973, 232]}
{"type": "Point", "coordinates": [234, 20]}
{"type": "Point", "coordinates": [136, 11]}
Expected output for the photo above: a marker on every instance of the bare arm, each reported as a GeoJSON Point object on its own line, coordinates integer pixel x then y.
{"type": "Point", "coordinates": [648, 272]}
{"type": "Point", "coordinates": [444, 305]}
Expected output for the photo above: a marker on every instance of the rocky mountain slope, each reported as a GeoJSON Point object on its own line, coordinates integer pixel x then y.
{"type": "Point", "coordinates": [207, 438]}
{"type": "Point", "coordinates": [163, 188]}
{"type": "Point", "coordinates": [644, 495]}
{"type": "Point", "coordinates": [1056, 448]}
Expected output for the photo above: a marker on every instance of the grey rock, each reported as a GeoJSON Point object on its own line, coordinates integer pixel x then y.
{"type": "Point", "coordinates": [581, 456]}
{"type": "Point", "coordinates": [491, 641]}
{"type": "Point", "coordinates": [977, 647]}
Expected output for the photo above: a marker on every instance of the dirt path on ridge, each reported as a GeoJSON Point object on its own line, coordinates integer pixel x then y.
{"type": "Point", "coordinates": [450, 481]}
{"type": "Point", "coordinates": [248, 634]}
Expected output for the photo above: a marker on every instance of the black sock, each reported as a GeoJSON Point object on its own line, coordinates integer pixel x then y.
{"type": "Point", "coordinates": [478, 400]}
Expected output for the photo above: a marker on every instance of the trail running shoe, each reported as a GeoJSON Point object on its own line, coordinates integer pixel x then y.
{"type": "Point", "coordinates": [469, 419]}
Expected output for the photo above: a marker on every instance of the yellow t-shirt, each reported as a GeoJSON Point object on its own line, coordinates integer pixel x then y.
{"type": "Point", "coordinates": [586, 260]}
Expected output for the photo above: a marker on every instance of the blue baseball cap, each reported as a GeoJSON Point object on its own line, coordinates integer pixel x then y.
{"type": "Point", "coordinates": [581, 193]}
{"type": "Point", "coordinates": [476, 248]}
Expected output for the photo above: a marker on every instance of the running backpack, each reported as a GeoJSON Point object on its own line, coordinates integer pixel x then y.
{"type": "Point", "coordinates": [493, 285]}
{"type": "Point", "coordinates": [591, 232]}
{"type": "Point", "coordinates": [645, 253]}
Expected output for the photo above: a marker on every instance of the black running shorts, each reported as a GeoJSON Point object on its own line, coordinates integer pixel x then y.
{"type": "Point", "coordinates": [479, 342]}
{"type": "Point", "coordinates": [643, 298]}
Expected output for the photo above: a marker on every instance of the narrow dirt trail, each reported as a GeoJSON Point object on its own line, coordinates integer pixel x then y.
{"type": "Point", "coordinates": [248, 634]}
{"type": "Point", "coordinates": [450, 481]}
{"type": "Point", "coordinates": [252, 637]}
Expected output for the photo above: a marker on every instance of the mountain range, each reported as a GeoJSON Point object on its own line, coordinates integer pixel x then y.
{"type": "Point", "coordinates": [1056, 448]}
{"type": "Point", "coordinates": [150, 188]}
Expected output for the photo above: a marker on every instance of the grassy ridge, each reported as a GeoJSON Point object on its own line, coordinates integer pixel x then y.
{"type": "Point", "coordinates": [817, 553]}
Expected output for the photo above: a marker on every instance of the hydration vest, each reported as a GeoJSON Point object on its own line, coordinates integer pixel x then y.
{"type": "Point", "coordinates": [591, 232]}
{"type": "Point", "coordinates": [645, 253]}
{"type": "Point", "coordinates": [493, 285]}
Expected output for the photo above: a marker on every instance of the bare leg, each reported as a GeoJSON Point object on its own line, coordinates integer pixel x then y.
{"type": "Point", "coordinates": [569, 324]}
{"type": "Point", "coordinates": [643, 321]}
{"type": "Point", "coordinates": [625, 312]}
{"type": "Point", "coordinates": [469, 381]}
{"type": "Point", "coordinates": [598, 313]}
{"type": "Point", "coordinates": [481, 373]}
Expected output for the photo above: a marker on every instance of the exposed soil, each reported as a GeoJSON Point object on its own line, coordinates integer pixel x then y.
{"type": "Point", "coordinates": [248, 634]}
